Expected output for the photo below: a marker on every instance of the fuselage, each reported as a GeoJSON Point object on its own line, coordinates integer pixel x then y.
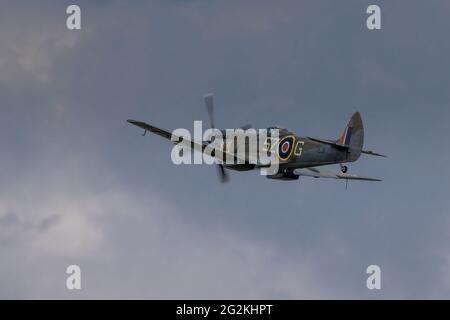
{"type": "Point", "coordinates": [297, 152]}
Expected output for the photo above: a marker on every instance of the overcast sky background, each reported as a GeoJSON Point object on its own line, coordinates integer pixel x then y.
{"type": "Point", "coordinates": [78, 185]}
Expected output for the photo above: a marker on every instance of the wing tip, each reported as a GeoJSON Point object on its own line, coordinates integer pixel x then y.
{"type": "Point", "coordinates": [137, 123]}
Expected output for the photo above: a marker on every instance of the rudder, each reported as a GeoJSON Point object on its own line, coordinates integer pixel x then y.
{"type": "Point", "coordinates": [353, 137]}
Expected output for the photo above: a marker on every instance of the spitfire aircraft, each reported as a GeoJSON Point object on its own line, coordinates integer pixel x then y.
{"type": "Point", "coordinates": [298, 155]}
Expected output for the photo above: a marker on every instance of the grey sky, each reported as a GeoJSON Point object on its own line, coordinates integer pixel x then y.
{"type": "Point", "coordinates": [78, 185]}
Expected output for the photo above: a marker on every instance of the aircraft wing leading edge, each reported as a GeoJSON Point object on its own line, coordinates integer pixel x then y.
{"type": "Point", "coordinates": [189, 143]}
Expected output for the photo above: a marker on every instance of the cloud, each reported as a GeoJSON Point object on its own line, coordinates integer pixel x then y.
{"type": "Point", "coordinates": [32, 46]}
{"type": "Point", "coordinates": [223, 20]}
{"type": "Point", "coordinates": [142, 238]}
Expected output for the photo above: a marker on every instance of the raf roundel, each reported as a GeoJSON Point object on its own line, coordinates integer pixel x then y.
{"type": "Point", "coordinates": [285, 148]}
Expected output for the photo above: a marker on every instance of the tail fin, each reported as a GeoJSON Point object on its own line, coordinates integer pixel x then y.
{"type": "Point", "coordinates": [353, 137]}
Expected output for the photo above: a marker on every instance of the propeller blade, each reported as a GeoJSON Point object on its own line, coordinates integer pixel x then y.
{"type": "Point", "coordinates": [223, 175]}
{"type": "Point", "coordinates": [209, 102]}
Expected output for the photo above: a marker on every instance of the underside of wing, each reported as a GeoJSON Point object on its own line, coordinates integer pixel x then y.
{"type": "Point", "coordinates": [147, 127]}
{"type": "Point", "coordinates": [313, 172]}
{"type": "Point", "coordinates": [184, 141]}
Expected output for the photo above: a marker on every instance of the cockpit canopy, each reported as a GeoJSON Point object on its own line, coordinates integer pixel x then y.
{"type": "Point", "coordinates": [281, 131]}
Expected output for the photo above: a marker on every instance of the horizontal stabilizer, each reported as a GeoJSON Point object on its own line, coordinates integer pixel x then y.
{"type": "Point", "coordinates": [373, 153]}
{"type": "Point", "coordinates": [330, 142]}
